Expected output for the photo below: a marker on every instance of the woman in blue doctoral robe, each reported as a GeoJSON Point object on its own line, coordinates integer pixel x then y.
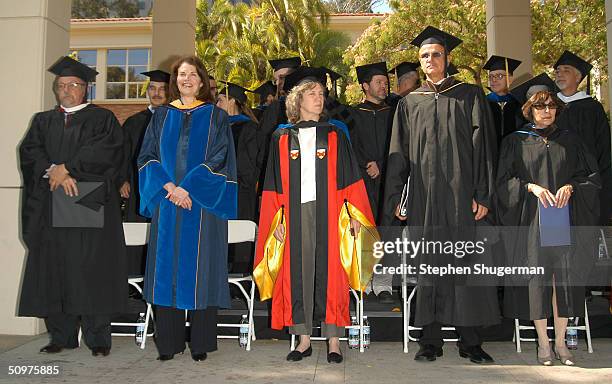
{"type": "Point", "coordinates": [188, 147]}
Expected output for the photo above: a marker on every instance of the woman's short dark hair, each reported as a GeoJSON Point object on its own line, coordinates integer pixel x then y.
{"type": "Point", "coordinates": [204, 93]}
{"type": "Point", "coordinates": [540, 98]}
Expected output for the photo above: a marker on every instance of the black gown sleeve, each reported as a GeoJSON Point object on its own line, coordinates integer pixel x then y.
{"type": "Point", "coordinates": [484, 146]}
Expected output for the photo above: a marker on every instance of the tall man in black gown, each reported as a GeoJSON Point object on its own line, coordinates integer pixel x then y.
{"type": "Point", "coordinates": [443, 138]}
{"type": "Point", "coordinates": [73, 274]}
{"type": "Point", "coordinates": [586, 116]}
{"type": "Point", "coordinates": [133, 132]}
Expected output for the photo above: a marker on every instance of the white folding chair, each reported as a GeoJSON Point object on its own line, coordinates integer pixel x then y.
{"type": "Point", "coordinates": [136, 234]}
{"type": "Point", "coordinates": [240, 231]}
{"type": "Point", "coordinates": [586, 327]}
{"type": "Point", "coordinates": [358, 314]}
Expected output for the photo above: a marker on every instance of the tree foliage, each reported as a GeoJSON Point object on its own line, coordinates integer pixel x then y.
{"type": "Point", "coordinates": [576, 25]}
{"type": "Point", "coordinates": [236, 41]}
{"type": "Point", "coordinates": [351, 6]}
{"type": "Point", "coordinates": [102, 9]}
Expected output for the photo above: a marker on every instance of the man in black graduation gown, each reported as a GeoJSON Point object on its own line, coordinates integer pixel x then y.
{"type": "Point", "coordinates": [266, 93]}
{"type": "Point", "coordinates": [133, 132]}
{"type": "Point", "coordinates": [506, 111]}
{"type": "Point", "coordinates": [586, 116]}
{"type": "Point", "coordinates": [73, 275]}
{"type": "Point", "coordinates": [275, 114]}
{"type": "Point", "coordinates": [443, 145]}
{"type": "Point", "coordinates": [370, 129]}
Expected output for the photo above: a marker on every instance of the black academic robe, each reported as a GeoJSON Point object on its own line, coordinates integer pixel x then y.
{"type": "Point", "coordinates": [133, 132]}
{"type": "Point", "coordinates": [246, 143]}
{"type": "Point", "coordinates": [444, 139]}
{"type": "Point", "coordinates": [507, 118]}
{"type": "Point", "coordinates": [370, 131]}
{"type": "Point", "coordinates": [588, 119]}
{"type": "Point", "coordinates": [551, 162]}
{"type": "Point", "coordinates": [72, 270]}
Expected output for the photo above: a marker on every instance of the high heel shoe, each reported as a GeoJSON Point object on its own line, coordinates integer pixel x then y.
{"type": "Point", "coordinates": [544, 356]}
{"type": "Point", "coordinates": [333, 357]}
{"type": "Point", "coordinates": [564, 355]}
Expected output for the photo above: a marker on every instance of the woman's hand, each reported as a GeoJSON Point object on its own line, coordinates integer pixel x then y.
{"type": "Point", "coordinates": [279, 233]}
{"type": "Point", "coordinates": [563, 195]}
{"type": "Point", "coordinates": [180, 197]}
{"type": "Point", "coordinates": [170, 187]}
{"type": "Point", "coordinates": [544, 195]}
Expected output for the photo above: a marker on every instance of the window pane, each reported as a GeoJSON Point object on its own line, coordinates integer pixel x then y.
{"type": "Point", "coordinates": [133, 91]}
{"type": "Point", "coordinates": [91, 91]}
{"type": "Point", "coordinates": [115, 91]}
{"type": "Point", "coordinates": [134, 73]}
{"type": "Point", "coordinates": [88, 57]}
{"type": "Point", "coordinates": [115, 74]}
{"type": "Point", "coordinates": [116, 57]}
{"type": "Point", "coordinates": [138, 57]}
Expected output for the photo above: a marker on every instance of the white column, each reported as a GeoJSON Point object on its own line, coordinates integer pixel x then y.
{"type": "Point", "coordinates": [509, 32]}
{"type": "Point", "coordinates": [173, 32]}
{"type": "Point", "coordinates": [34, 33]}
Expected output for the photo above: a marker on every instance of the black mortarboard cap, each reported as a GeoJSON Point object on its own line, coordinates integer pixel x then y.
{"type": "Point", "coordinates": [333, 75]}
{"type": "Point", "coordinates": [67, 66]}
{"type": "Point", "coordinates": [431, 35]}
{"type": "Point", "coordinates": [496, 63]}
{"type": "Point", "coordinates": [157, 75]}
{"type": "Point", "coordinates": [569, 58]}
{"type": "Point", "coordinates": [525, 90]}
{"type": "Point", "coordinates": [265, 89]}
{"type": "Point", "coordinates": [369, 70]}
{"type": "Point", "coordinates": [302, 74]}
{"type": "Point", "coordinates": [234, 91]}
{"type": "Point", "coordinates": [403, 68]}
{"type": "Point", "coordinates": [290, 62]}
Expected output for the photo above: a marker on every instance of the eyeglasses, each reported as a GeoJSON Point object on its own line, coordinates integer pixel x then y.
{"type": "Point", "coordinates": [540, 107]}
{"type": "Point", "coordinates": [434, 55]}
{"type": "Point", "coordinates": [68, 86]}
{"type": "Point", "coordinates": [498, 76]}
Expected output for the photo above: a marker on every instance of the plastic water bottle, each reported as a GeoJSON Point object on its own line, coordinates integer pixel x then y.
{"type": "Point", "coordinates": [601, 254]}
{"type": "Point", "coordinates": [366, 332]}
{"type": "Point", "coordinates": [244, 331]}
{"type": "Point", "coordinates": [353, 339]}
{"type": "Point", "coordinates": [140, 329]}
{"type": "Point", "coordinates": [571, 337]}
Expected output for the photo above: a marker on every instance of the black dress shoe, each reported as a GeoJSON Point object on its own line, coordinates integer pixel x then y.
{"type": "Point", "coordinates": [198, 356]}
{"type": "Point", "coordinates": [104, 351]}
{"type": "Point", "coordinates": [51, 348]}
{"type": "Point", "coordinates": [475, 354]}
{"type": "Point", "coordinates": [297, 355]}
{"type": "Point", "coordinates": [428, 352]}
{"type": "Point", "coordinates": [165, 357]}
{"type": "Point", "coordinates": [385, 298]}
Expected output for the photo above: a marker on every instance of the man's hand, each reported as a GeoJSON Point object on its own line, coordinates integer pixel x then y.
{"type": "Point", "coordinates": [563, 195]}
{"type": "Point", "coordinates": [480, 211]}
{"type": "Point", "coordinates": [124, 191]}
{"type": "Point", "coordinates": [372, 169]}
{"type": "Point", "coordinates": [279, 233]}
{"type": "Point", "coordinates": [57, 175]}
{"type": "Point", "coordinates": [543, 194]}
{"type": "Point", "coordinates": [397, 214]}
{"type": "Point", "coordinates": [355, 227]}
{"type": "Point", "coordinates": [70, 187]}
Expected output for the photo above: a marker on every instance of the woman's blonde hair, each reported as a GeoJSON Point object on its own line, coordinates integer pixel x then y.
{"type": "Point", "coordinates": [294, 99]}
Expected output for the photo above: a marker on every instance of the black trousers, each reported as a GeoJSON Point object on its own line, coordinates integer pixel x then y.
{"type": "Point", "coordinates": [64, 330]}
{"type": "Point", "coordinates": [170, 334]}
{"type": "Point", "coordinates": [432, 334]}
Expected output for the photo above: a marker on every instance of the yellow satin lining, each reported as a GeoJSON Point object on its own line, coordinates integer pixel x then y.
{"type": "Point", "coordinates": [266, 272]}
{"type": "Point", "coordinates": [178, 104]}
{"type": "Point", "coordinates": [356, 255]}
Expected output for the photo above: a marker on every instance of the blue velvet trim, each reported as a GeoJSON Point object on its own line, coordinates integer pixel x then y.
{"type": "Point", "coordinates": [151, 177]}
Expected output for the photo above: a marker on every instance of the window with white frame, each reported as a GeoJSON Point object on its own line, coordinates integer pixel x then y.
{"type": "Point", "coordinates": [89, 57]}
{"type": "Point", "coordinates": [123, 72]}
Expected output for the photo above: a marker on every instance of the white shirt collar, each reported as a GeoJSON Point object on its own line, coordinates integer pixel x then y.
{"type": "Point", "coordinates": [74, 109]}
{"type": "Point", "coordinates": [576, 96]}
{"type": "Point", "coordinates": [151, 108]}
